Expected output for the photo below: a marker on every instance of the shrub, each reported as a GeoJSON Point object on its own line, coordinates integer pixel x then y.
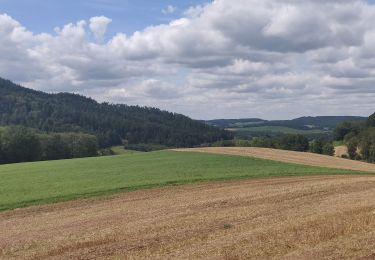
{"type": "Point", "coordinates": [329, 149]}
{"type": "Point", "coordinates": [317, 146]}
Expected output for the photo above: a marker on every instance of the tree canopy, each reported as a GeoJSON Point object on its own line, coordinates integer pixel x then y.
{"type": "Point", "coordinates": [359, 137]}
{"type": "Point", "coordinates": [21, 144]}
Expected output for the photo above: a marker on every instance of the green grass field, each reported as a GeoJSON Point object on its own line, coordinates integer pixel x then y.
{"type": "Point", "coordinates": [28, 184]}
{"type": "Point", "coordinates": [278, 129]}
{"type": "Point", "coordinates": [119, 150]}
{"type": "Point", "coordinates": [338, 143]}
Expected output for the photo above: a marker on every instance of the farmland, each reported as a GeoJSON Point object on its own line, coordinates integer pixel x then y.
{"type": "Point", "coordinates": [311, 217]}
{"type": "Point", "coordinates": [234, 211]}
{"type": "Point", "coordinates": [28, 184]}
{"type": "Point", "coordinates": [119, 150]}
{"type": "Point", "coordinates": [302, 158]}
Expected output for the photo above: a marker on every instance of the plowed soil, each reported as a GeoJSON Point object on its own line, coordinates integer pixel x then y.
{"type": "Point", "coordinates": [289, 156]}
{"type": "Point", "coordinates": [320, 217]}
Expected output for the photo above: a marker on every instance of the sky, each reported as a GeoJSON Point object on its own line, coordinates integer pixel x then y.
{"type": "Point", "coordinates": [272, 59]}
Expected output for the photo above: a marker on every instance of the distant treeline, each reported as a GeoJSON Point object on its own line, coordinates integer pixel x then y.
{"type": "Point", "coordinates": [112, 124]}
{"type": "Point", "coordinates": [359, 138]}
{"type": "Point", "coordinates": [249, 135]}
{"type": "Point", "coordinates": [302, 123]}
{"type": "Point", "coordinates": [287, 142]}
{"type": "Point", "coordinates": [20, 144]}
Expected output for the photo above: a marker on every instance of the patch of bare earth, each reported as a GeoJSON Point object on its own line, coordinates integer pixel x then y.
{"type": "Point", "coordinates": [288, 156]}
{"type": "Point", "coordinates": [341, 150]}
{"type": "Point", "coordinates": [318, 217]}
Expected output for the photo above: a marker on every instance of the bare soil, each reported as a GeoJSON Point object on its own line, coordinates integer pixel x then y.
{"type": "Point", "coordinates": [341, 150]}
{"type": "Point", "coordinates": [315, 217]}
{"type": "Point", "coordinates": [289, 156]}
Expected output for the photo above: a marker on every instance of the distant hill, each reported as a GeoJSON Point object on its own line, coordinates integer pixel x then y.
{"type": "Point", "coordinates": [322, 122]}
{"type": "Point", "coordinates": [229, 123]}
{"type": "Point", "coordinates": [302, 123]}
{"type": "Point", "coordinates": [312, 127]}
{"type": "Point", "coordinates": [111, 123]}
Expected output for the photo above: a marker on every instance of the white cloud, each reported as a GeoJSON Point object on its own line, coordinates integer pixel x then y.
{"type": "Point", "coordinates": [98, 26]}
{"type": "Point", "coordinates": [270, 58]}
{"type": "Point", "coordinates": [170, 9]}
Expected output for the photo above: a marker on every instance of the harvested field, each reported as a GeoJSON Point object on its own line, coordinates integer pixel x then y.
{"type": "Point", "coordinates": [315, 217]}
{"type": "Point", "coordinates": [289, 156]}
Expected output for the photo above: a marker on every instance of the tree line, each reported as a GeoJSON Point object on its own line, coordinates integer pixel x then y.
{"type": "Point", "coordinates": [292, 142]}
{"type": "Point", "coordinates": [21, 144]}
{"type": "Point", "coordinates": [359, 138]}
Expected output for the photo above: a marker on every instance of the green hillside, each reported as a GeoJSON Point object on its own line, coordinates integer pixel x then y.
{"type": "Point", "coordinates": [51, 181]}
{"type": "Point", "coordinates": [110, 123]}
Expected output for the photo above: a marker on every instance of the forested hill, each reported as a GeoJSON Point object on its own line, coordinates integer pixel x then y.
{"type": "Point", "coordinates": [111, 123]}
{"type": "Point", "coordinates": [320, 122]}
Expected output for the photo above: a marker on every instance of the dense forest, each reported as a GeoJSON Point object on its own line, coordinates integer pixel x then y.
{"type": "Point", "coordinates": [21, 144]}
{"type": "Point", "coordinates": [112, 124]}
{"type": "Point", "coordinates": [359, 138]}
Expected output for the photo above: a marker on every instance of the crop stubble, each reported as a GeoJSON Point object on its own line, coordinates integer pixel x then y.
{"type": "Point", "coordinates": [313, 217]}
{"type": "Point", "coordinates": [288, 156]}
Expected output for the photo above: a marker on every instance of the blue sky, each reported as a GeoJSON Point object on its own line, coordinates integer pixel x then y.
{"type": "Point", "coordinates": [127, 15]}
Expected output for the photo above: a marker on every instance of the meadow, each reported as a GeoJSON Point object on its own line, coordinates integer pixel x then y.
{"type": "Point", "coordinates": [34, 183]}
{"type": "Point", "coordinates": [119, 150]}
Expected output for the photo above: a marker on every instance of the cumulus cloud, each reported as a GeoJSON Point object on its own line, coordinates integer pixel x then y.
{"type": "Point", "coordinates": [98, 26]}
{"type": "Point", "coordinates": [270, 58]}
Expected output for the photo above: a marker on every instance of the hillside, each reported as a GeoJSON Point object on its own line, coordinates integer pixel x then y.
{"type": "Point", "coordinates": [111, 123]}
{"type": "Point", "coordinates": [297, 123]}
{"type": "Point", "coordinates": [311, 127]}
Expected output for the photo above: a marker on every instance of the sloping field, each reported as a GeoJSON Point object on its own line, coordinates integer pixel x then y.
{"type": "Point", "coordinates": [315, 217]}
{"type": "Point", "coordinates": [288, 156]}
{"type": "Point", "coordinates": [28, 184]}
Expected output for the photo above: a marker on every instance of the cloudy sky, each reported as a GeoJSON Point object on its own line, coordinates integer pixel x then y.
{"type": "Point", "coordinates": [274, 59]}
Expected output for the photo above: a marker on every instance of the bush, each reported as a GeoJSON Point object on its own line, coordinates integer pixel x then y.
{"type": "Point", "coordinates": [317, 146]}
{"type": "Point", "coordinates": [146, 147]}
{"type": "Point", "coordinates": [106, 152]}
{"type": "Point", "coordinates": [352, 148]}
{"type": "Point", "coordinates": [329, 149]}
{"type": "Point", "coordinates": [294, 142]}
{"type": "Point", "coordinates": [266, 142]}
{"type": "Point", "coordinates": [224, 143]}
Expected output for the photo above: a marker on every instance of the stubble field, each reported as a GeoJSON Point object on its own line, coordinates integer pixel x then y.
{"type": "Point", "coordinates": [315, 217]}
{"type": "Point", "coordinates": [302, 158]}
